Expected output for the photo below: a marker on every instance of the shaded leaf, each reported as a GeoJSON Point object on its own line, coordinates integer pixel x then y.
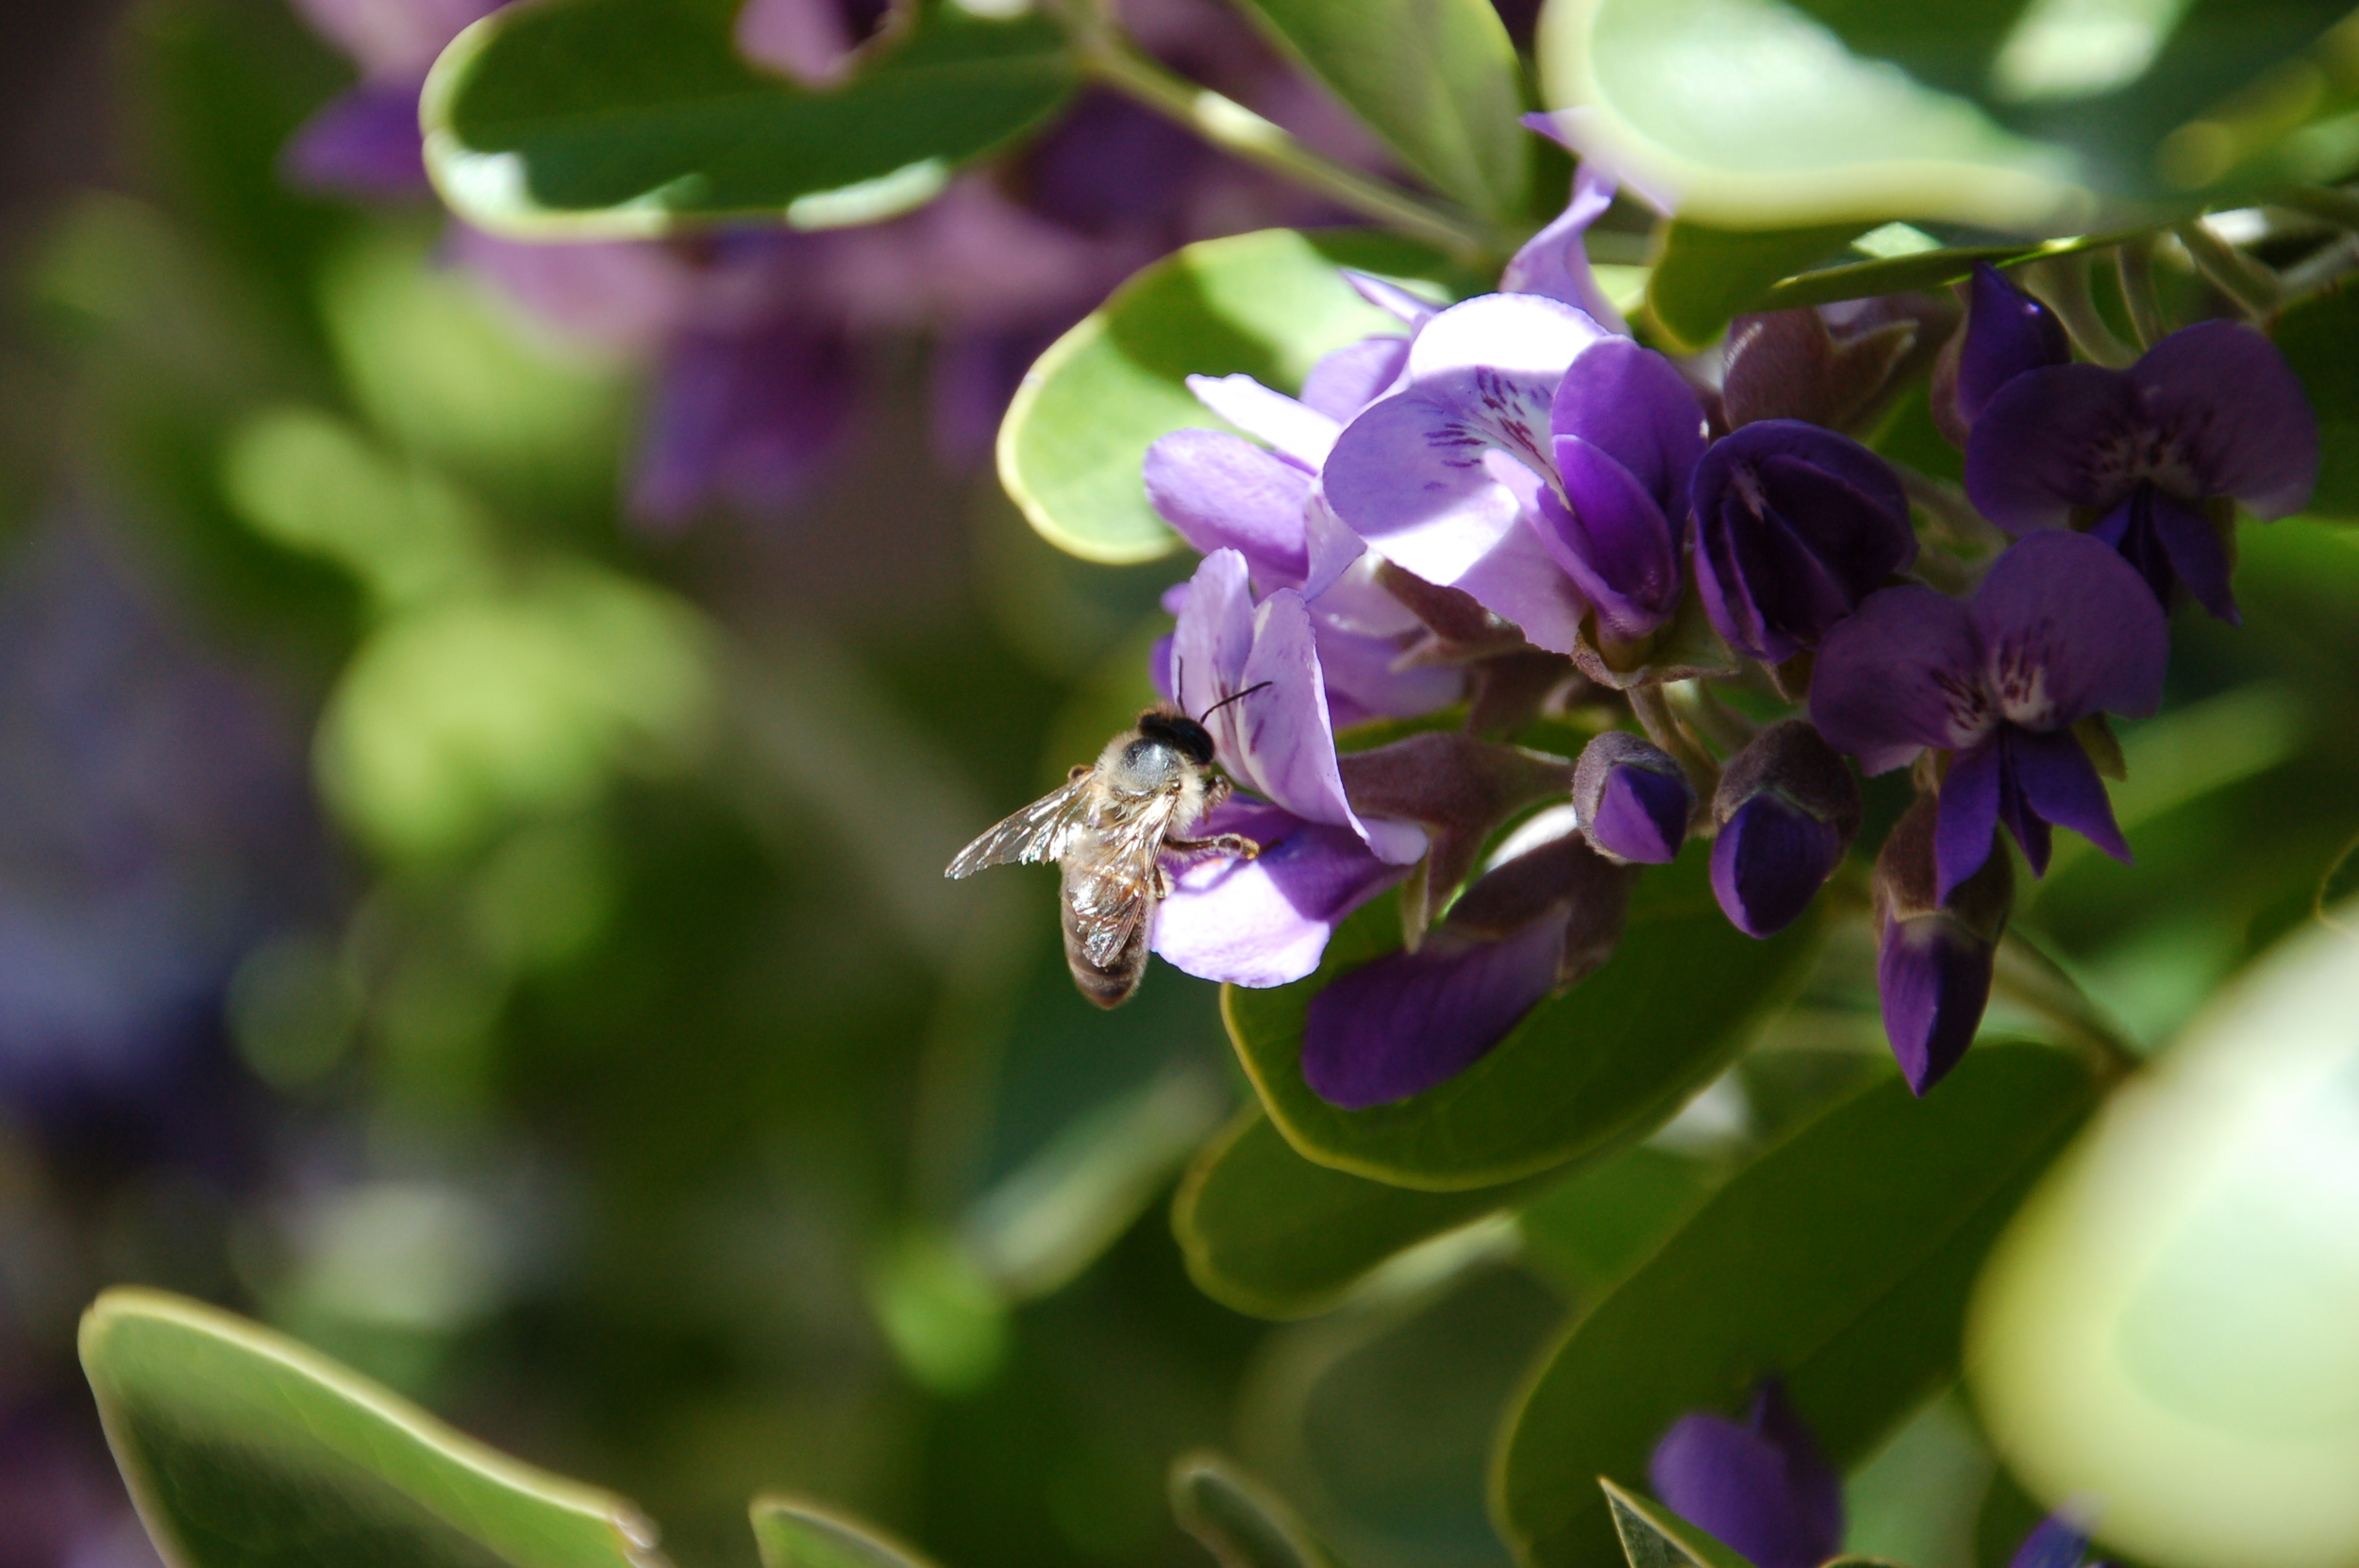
{"type": "Point", "coordinates": [1840, 1261]}
{"type": "Point", "coordinates": [1602, 1065]}
{"type": "Point", "coordinates": [2320, 340]}
{"type": "Point", "coordinates": [792, 1533]}
{"type": "Point", "coordinates": [1654, 1537]}
{"type": "Point", "coordinates": [632, 117]}
{"type": "Point", "coordinates": [1436, 80]}
{"type": "Point", "coordinates": [246, 1450]}
{"type": "Point", "coordinates": [1267, 304]}
{"type": "Point", "coordinates": [1241, 1523]}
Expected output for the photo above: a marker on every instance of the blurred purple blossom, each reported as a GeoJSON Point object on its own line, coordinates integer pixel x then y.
{"type": "Point", "coordinates": [2062, 629]}
{"type": "Point", "coordinates": [2148, 458]}
{"type": "Point", "coordinates": [2058, 1541]}
{"type": "Point", "coordinates": [1762, 1487]}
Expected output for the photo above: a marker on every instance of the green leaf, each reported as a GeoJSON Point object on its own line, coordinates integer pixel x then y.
{"type": "Point", "coordinates": [245, 1450]}
{"type": "Point", "coordinates": [1654, 1537]}
{"type": "Point", "coordinates": [1759, 114]}
{"type": "Point", "coordinates": [1839, 1261]}
{"type": "Point", "coordinates": [1267, 304]}
{"type": "Point", "coordinates": [1267, 1232]}
{"type": "Point", "coordinates": [792, 1533]}
{"type": "Point", "coordinates": [1437, 79]}
{"type": "Point", "coordinates": [1603, 1064]}
{"type": "Point", "coordinates": [1241, 1523]}
{"type": "Point", "coordinates": [632, 117]}
{"type": "Point", "coordinates": [2320, 340]}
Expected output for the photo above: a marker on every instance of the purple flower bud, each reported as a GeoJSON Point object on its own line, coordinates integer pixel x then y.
{"type": "Point", "coordinates": [1408, 1021]}
{"type": "Point", "coordinates": [2007, 333]}
{"type": "Point", "coordinates": [1831, 366]}
{"type": "Point", "coordinates": [363, 144]}
{"type": "Point", "coordinates": [1634, 800]}
{"type": "Point", "coordinates": [1763, 1488]}
{"type": "Point", "coordinates": [1935, 955]}
{"type": "Point", "coordinates": [1795, 527]}
{"type": "Point", "coordinates": [2058, 1541]}
{"type": "Point", "coordinates": [1787, 810]}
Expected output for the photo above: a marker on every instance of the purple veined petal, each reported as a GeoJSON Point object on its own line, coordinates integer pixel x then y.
{"type": "Point", "coordinates": [807, 39]}
{"type": "Point", "coordinates": [1519, 342]}
{"type": "Point", "coordinates": [1332, 549]}
{"type": "Point", "coordinates": [1970, 802]}
{"type": "Point", "coordinates": [1406, 478]}
{"type": "Point", "coordinates": [1642, 815]}
{"type": "Point", "coordinates": [2198, 556]}
{"type": "Point", "coordinates": [1932, 978]}
{"type": "Point", "coordinates": [1778, 1506]}
{"type": "Point", "coordinates": [1902, 672]}
{"type": "Point", "coordinates": [2068, 628]}
{"type": "Point", "coordinates": [1391, 298]}
{"type": "Point", "coordinates": [2237, 410]}
{"type": "Point", "coordinates": [1221, 491]}
{"type": "Point", "coordinates": [392, 40]}
{"type": "Point", "coordinates": [1612, 540]}
{"type": "Point", "coordinates": [1555, 263]}
{"type": "Point", "coordinates": [1768, 863]}
{"type": "Point", "coordinates": [2057, 1542]}
{"type": "Point", "coordinates": [1363, 683]}
{"type": "Point", "coordinates": [2038, 448]}
{"type": "Point", "coordinates": [1296, 430]}
{"type": "Point", "coordinates": [1516, 579]}
{"type": "Point", "coordinates": [1211, 644]}
{"type": "Point", "coordinates": [2060, 785]}
{"type": "Point", "coordinates": [1862, 538]}
{"type": "Point", "coordinates": [1409, 1021]}
{"type": "Point", "coordinates": [1267, 922]}
{"type": "Point", "coordinates": [744, 418]}
{"type": "Point", "coordinates": [1355, 375]}
{"type": "Point", "coordinates": [363, 144]}
{"type": "Point", "coordinates": [2007, 332]}
{"type": "Point", "coordinates": [1633, 405]}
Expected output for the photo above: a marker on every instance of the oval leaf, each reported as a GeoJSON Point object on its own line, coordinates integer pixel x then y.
{"type": "Point", "coordinates": [1437, 79]}
{"type": "Point", "coordinates": [1267, 304]}
{"type": "Point", "coordinates": [245, 1450]}
{"type": "Point", "coordinates": [628, 117]}
{"type": "Point", "coordinates": [1839, 1261]}
{"type": "Point", "coordinates": [792, 1533]}
{"type": "Point", "coordinates": [1241, 1523]}
{"type": "Point", "coordinates": [1603, 1064]}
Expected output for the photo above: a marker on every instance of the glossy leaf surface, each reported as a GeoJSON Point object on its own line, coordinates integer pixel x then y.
{"type": "Point", "coordinates": [1839, 1261]}
{"type": "Point", "coordinates": [1267, 304]}
{"type": "Point", "coordinates": [246, 1450]}
{"type": "Point", "coordinates": [632, 117]}
{"type": "Point", "coordinates": [1602, 1064]}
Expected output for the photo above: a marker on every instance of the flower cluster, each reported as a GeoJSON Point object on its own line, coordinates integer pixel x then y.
{"type": "Point", "coordinates": [1512, 503]}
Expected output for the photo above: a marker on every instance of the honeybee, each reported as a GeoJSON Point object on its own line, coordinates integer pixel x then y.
{"type": "Point", "coordinates": [1110, 826]}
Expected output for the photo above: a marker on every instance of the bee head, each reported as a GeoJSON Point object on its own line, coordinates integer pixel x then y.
{"type": "Point", "coordinates": [1169, 727]}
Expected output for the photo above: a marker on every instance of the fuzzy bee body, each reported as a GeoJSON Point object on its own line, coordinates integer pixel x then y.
{"type": "Point", "coordinates": [1110, 827]}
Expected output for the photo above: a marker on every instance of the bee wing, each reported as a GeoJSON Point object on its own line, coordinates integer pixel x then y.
{"type": "Point", "coordinates": [1041, 831]}
{"type": "Point", "coordinates": [1110, 891]}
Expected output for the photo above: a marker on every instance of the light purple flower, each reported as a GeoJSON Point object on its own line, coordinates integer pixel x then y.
{"type": "Point", "coordinates": [1794, 526]}
{"type": "Point", "coordinates": [2146, 458]}
{"type": "Point", "coordinates": [2060, 628]}
{"type": "Point", "coordinates": [742, 418]}
{"type": "Point", "coordinates": [1533, 459]}
{"type": "Point", "coordinates": [1764, 1488]}
{"type": "Point", "coordinates": [1555, 262]}
{"type": "Point", "coordinates": [392, 41]}
{"type": "Point", "coordinates": [1266, 921]}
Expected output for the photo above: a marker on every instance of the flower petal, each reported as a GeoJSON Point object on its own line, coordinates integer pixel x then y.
{"type": "Point", "coordinates": [1408, 1021]}
{"type": "Point", "coordinates": [1408, 479]}
{"type": "Point", "coordinates": [2198, 556]}
{"type": "Point", "coordinates": [1334, 551]}
{"type": "Point", "coordinates": [1355, 375]}
{"type": "Point", "coordinates": [1932, 978]}
{"type": "Point", "coordinates": [1266, 921]}
{"type": "Point", "coordinates": [2036, 448]}
{"type": "Point", "coordinates": [2238, 412]}
{"type": "Point", "coordinates": [1209, 646]}
{"type": "Point", "coordinates": [1632, 404]}
{"type": "Point", "coordinates": [1768, 863]}
{"type": "Point", "coordinates": [1296, 430]}
{"type": "Point", "coordinates": [2007, 332]}
{"type": "Point", "coordinates": [1221, 491]}
{"type": "Point", "coordinates": [2068, 628]}
{"type": "Point", "coordinates": [1777, 1503]}
{"type": "Point", "coordinates": [2059, 1541]}
{"type": "Point", "coordinates": [1521, 338]}
{"type": "Point", "coordinates": [1392, 299]}
{"type": "Point", "coordinates": [1970, 794]}
{"type": "Point", "coordinates": [2059, 784]}
{"type": "Point", "coordinates": [1612, 540]}
{"type": "Point", "coordinates": [1555, 263]}
{"type": "Point", "coordinates": [1902, 672]}
{"type": "Point", "coordinates": [1642, 814]}
{"type": "Point", "coordinates": [742, 417]}
{"type": "Point", "coordinates": [363, 144]}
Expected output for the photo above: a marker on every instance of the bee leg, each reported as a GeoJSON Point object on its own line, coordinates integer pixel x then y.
{"type": "Point", "coordinates": [1163, 881]}
{"type": "Point", "coordinates": [1236, 845]}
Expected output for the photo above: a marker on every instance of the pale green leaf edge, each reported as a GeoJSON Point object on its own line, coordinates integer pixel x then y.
{"type": "Point", "coordinates": [860, 1540]}
{"type": "Point", "coordinates": [1082, 336]}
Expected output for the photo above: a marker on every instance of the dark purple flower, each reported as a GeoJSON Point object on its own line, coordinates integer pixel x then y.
{"type": "Point", "coordinates": [1763, 1487]}
{"type": "Point", "coordinates": [1535, 461]}
{"type": "Point", "coordinates": [2060, 629]}
{"type": "Point", "coordinates": [741, 418]}
{"type": "Point", "coordinates": [2007, 333]}
{"type": "Point", "coordinates": [2057, 1542]}
{"type": "Point", "coordinates": [1788, 810]}
{"type": "Point", "coordinates": [1410, 1020]}
{"type": "Point", "coordinates": [1634, 802]}
{"type": "Point", "coordinates": [1935, 955]}
{"type": "Point", "coordinates": [2148, 458]}
{"type": "Point", "coordinates": [363, 144]}
{"type": "Point", "coordinates": [1794, 526]}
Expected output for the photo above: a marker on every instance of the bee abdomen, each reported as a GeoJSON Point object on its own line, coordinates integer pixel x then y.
{"type": "Point", "coordinates": [1110, 985]}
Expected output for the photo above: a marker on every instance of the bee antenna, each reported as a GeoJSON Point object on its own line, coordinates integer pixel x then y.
{"type": "Point", "coordinates": [1179, 682]}
{"type": "Point", "coordinates": [1238, 697]}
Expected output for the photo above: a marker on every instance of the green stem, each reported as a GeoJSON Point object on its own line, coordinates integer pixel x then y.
{"type": "Point", "coordinates": [2135, 263]}
{"type": "Point", "coordinates": [2032, 980]}
{"type": "Point", "coordinates": [2337, 207]}
{"type": "Point", "coordinates": [1112, 60]}
{"type": "Point", "coordinates": [2252, 286]}
{"type": "Point", "coordinates": [1653, 712]}
{"type": "Point", "coordinates": [1955, 521]}
{"type": "Point", "coordinates": [2321, 272]}
{"type": "Point", "coordinates": [2062, 283]}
